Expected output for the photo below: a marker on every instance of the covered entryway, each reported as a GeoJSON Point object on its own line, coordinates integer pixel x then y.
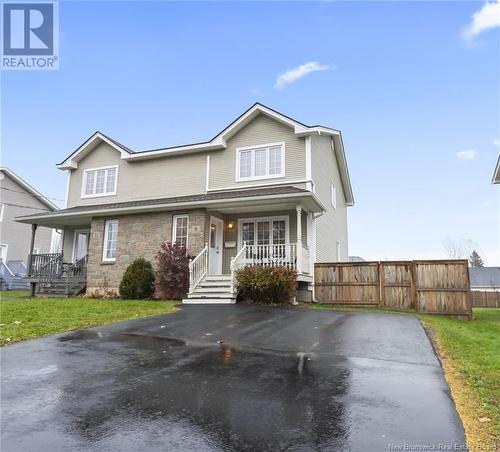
{"type": "Point", "coordinates": [215, 246]}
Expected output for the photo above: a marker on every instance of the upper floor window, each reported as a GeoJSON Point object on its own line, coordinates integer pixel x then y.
{"type": "Point", "coordinates": [260, 162]}
{"type": "Point", "coordinates": [180, 230]}
{"type": "Point", "coordinates": [99, 182]}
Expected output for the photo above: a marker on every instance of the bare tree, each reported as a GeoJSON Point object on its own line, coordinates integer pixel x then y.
{"type": "Point", "coordinates": [458, 249]}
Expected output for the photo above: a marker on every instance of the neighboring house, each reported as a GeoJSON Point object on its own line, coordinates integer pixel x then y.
{"type": "Point", "coordinates": [356, 259]}
{"type": "Point", "coordinates": [496, 174]}
{"type": "Point", "coordinates": [266, 190]}
{"type": "Point", "coordinates": [486, 279]}
{"type": "Point", "coordinates": [18, 198]}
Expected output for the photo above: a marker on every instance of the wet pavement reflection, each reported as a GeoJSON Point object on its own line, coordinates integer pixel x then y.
{"type": "Point", "coordinates": [117, 389]}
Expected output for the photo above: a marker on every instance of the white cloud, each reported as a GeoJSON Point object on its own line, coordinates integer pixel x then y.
{"type": "Point", "coordinates": [467, 155]}
{"type": "Point", "coordinates": [496, 142]}
{"type": "Point", "coordinates": [294, 74]}
{"type": "Point", "coordinates": [485, 18]}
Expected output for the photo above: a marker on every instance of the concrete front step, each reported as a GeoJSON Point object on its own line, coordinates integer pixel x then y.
{"type": "Point", "coordinates": [209, 300]}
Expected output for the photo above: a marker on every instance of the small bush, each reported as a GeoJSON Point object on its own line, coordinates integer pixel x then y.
{"type": "Point", "coordinates": [270, 285]}
{"type": "Point", "coordinates": [102, 293]}
{"type": "Point", "coordinates": [137, 281]}
{"type": "Point", "coordinates": [172, 272]}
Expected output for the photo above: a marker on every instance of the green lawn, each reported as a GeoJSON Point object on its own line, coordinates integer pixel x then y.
{"type": "Point", "coordinates": [22, 317]}
{"type": "Point", "coordinates": [470, 354]}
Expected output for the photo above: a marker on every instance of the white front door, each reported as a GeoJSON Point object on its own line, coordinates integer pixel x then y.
{"type": "Point", "coordinates": [215, 246]}
{"type": "Point", "coordinates": [81, 244]}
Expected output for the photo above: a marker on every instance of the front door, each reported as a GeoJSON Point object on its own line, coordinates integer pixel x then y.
{"type": "Point", "coordinates": [81, 244]}
{"type": "Point", "coordinates": [215, 246]}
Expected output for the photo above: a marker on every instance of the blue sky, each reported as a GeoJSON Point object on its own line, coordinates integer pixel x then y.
{"type": "Point", "coordinates": [401, 80]}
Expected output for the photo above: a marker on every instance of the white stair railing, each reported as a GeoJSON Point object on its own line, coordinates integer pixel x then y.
{"type": "Point", "coordinates": [198, 268]}
{"type": "Point", "coordinates": [237, 262]}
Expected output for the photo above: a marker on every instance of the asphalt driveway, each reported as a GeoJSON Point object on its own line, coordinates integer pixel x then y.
{"type": "Point", "coordinates": [230, 378]}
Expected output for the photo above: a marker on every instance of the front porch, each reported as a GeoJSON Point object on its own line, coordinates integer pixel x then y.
{"type": "Point", "coordinates": [236, 239]}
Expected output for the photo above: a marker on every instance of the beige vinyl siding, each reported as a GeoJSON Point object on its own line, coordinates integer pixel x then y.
{"type": "Point", "coordinates": [18, 202]}
{"type": "Point", "coordinates": [262, 130]}
{"type": "Point", "coordinates": [332, 225]}
{"type": "Point", "coordinates": [147, 179]}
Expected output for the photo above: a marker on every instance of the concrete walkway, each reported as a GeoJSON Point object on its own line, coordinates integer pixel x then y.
{"type": "Point", "coordinates": [230, 378]}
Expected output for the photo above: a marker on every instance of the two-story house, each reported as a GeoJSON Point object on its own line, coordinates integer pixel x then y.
{"type": "Point", "coordinates": [17, 198]}
{"type": "Point", "coordinates": [266, 190]}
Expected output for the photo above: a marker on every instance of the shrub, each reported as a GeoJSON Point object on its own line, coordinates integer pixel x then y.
{"type": "Point", "coordinates": [137, 281]}
{"type": "Point", "coordinates": [172, 272]}
{"type": "Point", "coordinates": [102, 293]}
{"type": "Point", "coordinates": [259, 284]}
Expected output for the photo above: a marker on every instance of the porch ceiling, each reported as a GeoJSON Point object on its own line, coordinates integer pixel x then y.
{"type": "Point", "coordinates": [231, 201]}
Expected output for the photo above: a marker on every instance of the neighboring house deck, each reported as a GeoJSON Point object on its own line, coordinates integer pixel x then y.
{"type": "Point", "coordinates": [267, 190]}
{"type": "Point", "coordinates": [19, 198]}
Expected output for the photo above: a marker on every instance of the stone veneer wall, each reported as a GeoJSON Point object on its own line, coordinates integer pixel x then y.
{"type": "Point", "coordinates": [138, 236]}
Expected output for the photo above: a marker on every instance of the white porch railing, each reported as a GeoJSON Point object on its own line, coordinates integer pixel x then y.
{"type": "Point", "coordinates": [198, 268]}
{"type": "Point", "coordinates": [237, 262]}
{"type": "Point", "coordinates": [265, 255]}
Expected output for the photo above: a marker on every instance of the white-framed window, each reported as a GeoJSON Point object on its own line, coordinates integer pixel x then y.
{"type": "Point", "coordinates": [2, 207]}
{"type": "Point", "coordinates": [338, 250]}
{"type": "Point", "coordinates": [263, 231]}
{"type": "Point", "coordinates": [99, 182]}
{"type": "Point", "coordinates": [260, 162]}
{"type": "Point", "coordinates": [333, 195]}
{"type": "Point", "coordinates": [110, 244]}
{"type": "Point", "coordinates": [180, 230]}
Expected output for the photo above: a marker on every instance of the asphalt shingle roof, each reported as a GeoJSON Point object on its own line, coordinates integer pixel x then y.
{"type": "Point", "coordinates": [223, 195]}
{"type": "Point", "coordinates": [485, 277]}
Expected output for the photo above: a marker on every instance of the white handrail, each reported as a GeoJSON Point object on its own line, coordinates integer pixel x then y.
{"type": "Point", "coordinates": [236, 263]}
{"type": "Point", "coordinates": [198, 268]}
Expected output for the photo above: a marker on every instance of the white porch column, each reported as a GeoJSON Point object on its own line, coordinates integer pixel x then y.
{"type": "Point", "coordinates": [299, 238]}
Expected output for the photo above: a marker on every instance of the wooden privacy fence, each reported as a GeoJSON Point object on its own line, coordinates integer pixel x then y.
{"type": "Point", "coordinates": [484, 299]}
{"type": "Point", "coordinates": [430, 286]}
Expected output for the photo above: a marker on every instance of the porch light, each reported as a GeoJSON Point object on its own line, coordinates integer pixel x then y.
{"type": "Point", "coordinates": [230, 225]}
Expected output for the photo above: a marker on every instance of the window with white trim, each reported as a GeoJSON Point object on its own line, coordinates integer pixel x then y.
{"type": "Point", "coordinates": [110, 245]}
{"type": "Point", "coordinates": [180, 230]}
{"type": "Point", "coordinates": [264, 231]}
{"type": "Point", "coordinates": [260, 162]}
{"type": "Point", "coordinates": [99, 182]}
{"type": "Point", "coordinates": [2, 207]}
{"type": "Point", "coordinates": [333, 194]}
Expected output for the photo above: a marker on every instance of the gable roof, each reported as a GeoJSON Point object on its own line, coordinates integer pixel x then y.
{"type": "Point", "coordinates": [28, 188]}
{"type": "Point", "coordinates": [496, 174]}
{"type": "Point", "coordinates": [488, 277]}
{"type": "Point", "coordinates": [219, 142]}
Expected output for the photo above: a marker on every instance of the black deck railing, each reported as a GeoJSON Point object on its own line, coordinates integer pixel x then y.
{"type": "Point", "coordinates": [48, 265]}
